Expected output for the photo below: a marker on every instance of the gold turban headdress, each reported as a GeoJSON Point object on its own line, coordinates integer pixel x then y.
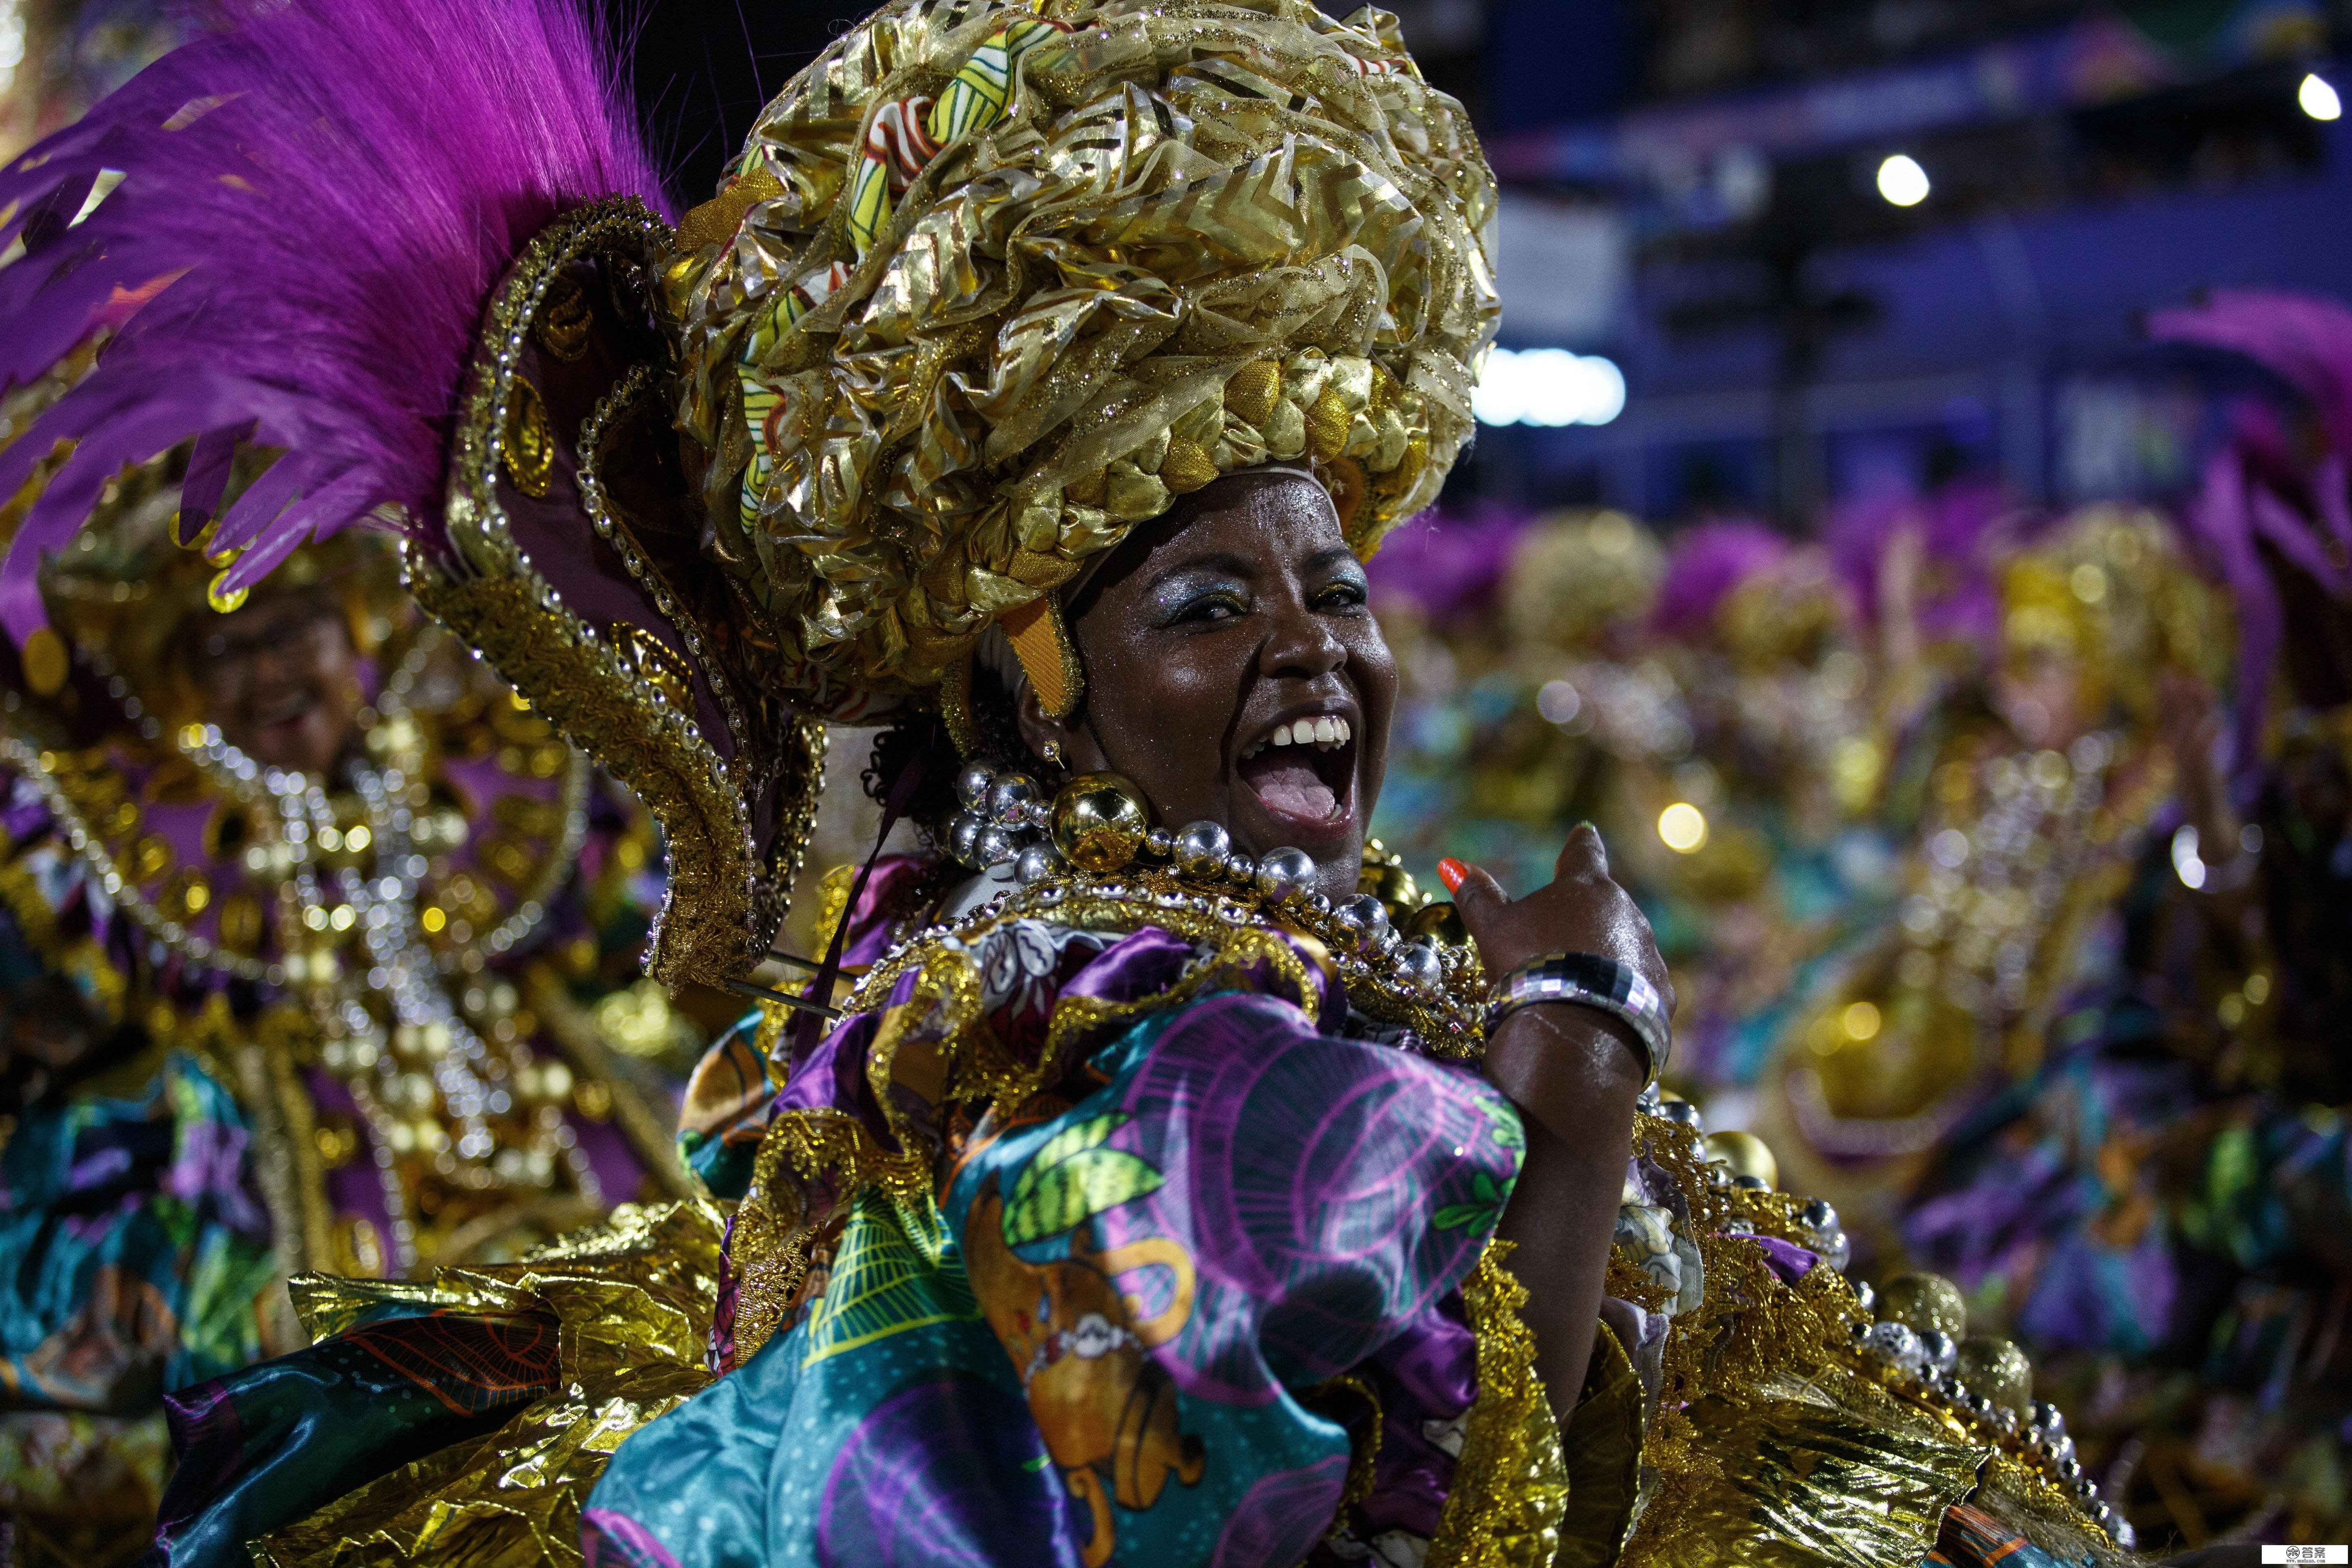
{"type": "Point", "coordinates": [991, 285]}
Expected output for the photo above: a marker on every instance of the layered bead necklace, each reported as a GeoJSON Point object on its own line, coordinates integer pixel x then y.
{"type": "Point", "coordinates": [1093, 850]}
{"type": "Point", "coordinates": [426, 1082]}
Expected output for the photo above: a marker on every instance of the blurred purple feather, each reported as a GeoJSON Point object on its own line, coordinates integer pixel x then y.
{"type": "Point", "coordinates": [2263, 487]}
{"type": "Point", "coordinates": [2305, 339]}
{"type": "Point", "coordinates": [1451, 566]}
{"type": "Point", "coordinates": [1705, 563]}
{"type": "Point", "coordinates": [1959, 526]}
{"type": "Point", "coordinates": [314, 202]}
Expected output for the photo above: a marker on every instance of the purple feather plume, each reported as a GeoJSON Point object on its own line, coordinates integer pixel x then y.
{"type": "Point", "coordinates": [292, 227]}
{"type": "Point", "coordinates": [2263, 487]}
{"type": "Point", "coordinates": [1450, 565]}
{"type": "Point", "coordinates": [1960, 526]}
{"type": "Point", "coordinates": [2305, 339]}
{"type": "Point", "coordinates": [1705, 565]}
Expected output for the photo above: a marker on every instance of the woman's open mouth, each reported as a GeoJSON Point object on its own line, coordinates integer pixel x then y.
{"type": "Point", "coordinates": [1303, 772]}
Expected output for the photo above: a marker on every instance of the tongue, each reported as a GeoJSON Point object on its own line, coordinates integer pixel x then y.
{"type": "Point", "coordinates": [1288, 786]}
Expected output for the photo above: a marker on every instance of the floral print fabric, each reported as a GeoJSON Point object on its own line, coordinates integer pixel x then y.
{"type": "Point", "coordinates": [1160, 1311]}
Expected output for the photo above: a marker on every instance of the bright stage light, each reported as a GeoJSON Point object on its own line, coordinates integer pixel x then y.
{"type": "Point", "coordinates": [2319, 98]}
{"type": "Point", "coordinates": [1550, 387]}
{"type": "Point", "coordinates": [1902, 181]}
{"type": "Point", "coordinates": [1683, 827]}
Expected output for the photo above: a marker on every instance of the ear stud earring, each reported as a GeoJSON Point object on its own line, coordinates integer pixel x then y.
{"type": "Point", "coordinates": [1054, 753]}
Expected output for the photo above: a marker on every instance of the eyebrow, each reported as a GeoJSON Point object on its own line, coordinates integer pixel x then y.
{"type": "Point", "coordinates": [1241, 566]}
{"type": "Point", "coordinates": [1231, 565]}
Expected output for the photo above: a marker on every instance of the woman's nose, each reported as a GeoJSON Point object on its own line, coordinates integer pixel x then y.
{"type": "Point", "coordinates": [1303, 645]}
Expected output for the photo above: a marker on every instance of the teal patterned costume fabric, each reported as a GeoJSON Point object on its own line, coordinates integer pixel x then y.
{"type": "Point", "coordinates": [1149, 1316]}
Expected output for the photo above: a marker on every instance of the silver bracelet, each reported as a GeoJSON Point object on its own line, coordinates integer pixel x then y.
{"type": "Point", "coordinates": [1588, 980]}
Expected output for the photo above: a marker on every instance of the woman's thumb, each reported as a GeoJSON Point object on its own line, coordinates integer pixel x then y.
{"type": "Point", "coordinates": [1474, 893]}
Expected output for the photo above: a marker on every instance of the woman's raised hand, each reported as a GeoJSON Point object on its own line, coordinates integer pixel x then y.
{"type": "Point", "coordinates": [1574, 1072]}
{"type": "Point", "coordinates": [1581, 911]}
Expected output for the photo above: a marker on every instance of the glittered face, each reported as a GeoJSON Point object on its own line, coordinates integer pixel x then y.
{"type": "Point", "coordinates": [1235, 672]}
{"type": "Point", "coordinates": [281, 680]}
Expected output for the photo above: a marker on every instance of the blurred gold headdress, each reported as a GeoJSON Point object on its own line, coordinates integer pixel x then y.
{"type": "Point", "coordinates": [1576, 573]}
{"type": "Point", "coordinates": [993, 284]}
{"type": "Point", "coordinates": [2109, 589]}
{"type": "Point", "coordinates": [120, 596]}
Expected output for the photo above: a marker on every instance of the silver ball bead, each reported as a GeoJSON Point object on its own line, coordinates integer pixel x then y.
{"type": "Point", "coordinates": [1319, 903]}
{"type": "Point", "coordinates": [1202, 847]}
{"type": "Point", "coordinates": [2047, 1418]}
{"type": "Point", "coordinates": [1160, 843]}
{"type": "Point", "coordinates": [1837, 1251]}
{"type": "Point", "coordinates": [1683, 1113]}
{"type": "Point", "coordinates": [994, 847]}
{"type": "Point", "coordinates": [1011, 800]}
{"type": "Point", "coordinates": [2060, 1448]}
{"type": "Point", "coordinates": [971, 786]}
{"type": "Point", "coordinates": [1366, 917]}
{"type": "Point", "coordinates": [2070, 1470]}
{"type": "Point", "coordinates": [1037, 862]}
{"type": "Point", "coordinates": [1942, 1351]}
{"type": "Point", "coordinates": [1285, 873]}
{"type": "Point", "coordinates": [1420, 968]}
{"type": "Point", "coordinates": [963, 838]}
{"type": "Point", "coordinates": [1895, 1345]}
{"type": "Point", "coordinates": [1751, 1184]}
{"type": "Point", "coordinates": [1818, 1215]}
{"type": "Point", "coordinates": [1865, 1295]}
{"type": "Point", "coordinates": [1240, 867]}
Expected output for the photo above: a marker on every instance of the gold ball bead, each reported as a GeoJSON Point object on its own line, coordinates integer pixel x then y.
{"type": "Point", "coordinates": [1439, 922]}
{"type": "Point", "coordinates": [1924, 1303]}
{"type": "Point", "coordinates": [1099, 822]}
{"type": "Point", "coordinates": [1747, 1154]}
{"type": "Point", "coordinates": [1393, 885]}
{"type": "Point", "coordinates": [1998, 1370]}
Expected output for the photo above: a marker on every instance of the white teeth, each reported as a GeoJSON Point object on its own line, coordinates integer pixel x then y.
{"type": "Point", "coordinates": [1326, 733]}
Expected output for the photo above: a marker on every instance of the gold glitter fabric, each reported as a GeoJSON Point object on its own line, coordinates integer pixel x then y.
{"type": "Point", "coordinates": [989, 285]}
{"type": "Point", "coordinates": [1774, 1435]}
{"type": "Point", "coordinates": [1732, 1414]}
{"type": "Point", "coordinates": [633, 1298]}
{"type": "Point", "coordinates": [1511, 1488]}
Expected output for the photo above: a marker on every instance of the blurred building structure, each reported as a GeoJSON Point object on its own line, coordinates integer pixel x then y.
{"type": "Point", "coordinates": [1792, 335]}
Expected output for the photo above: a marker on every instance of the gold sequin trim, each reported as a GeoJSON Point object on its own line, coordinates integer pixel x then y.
{"type": "Point", "coordinates": [1510, 1488]}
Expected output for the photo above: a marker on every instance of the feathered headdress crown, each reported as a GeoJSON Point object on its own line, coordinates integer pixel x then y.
{"type": "Point", "coordinates": [989, 285]}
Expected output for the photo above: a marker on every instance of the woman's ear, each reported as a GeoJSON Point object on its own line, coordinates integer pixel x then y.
{"type": "Point", "coordinates": [1062, 742]}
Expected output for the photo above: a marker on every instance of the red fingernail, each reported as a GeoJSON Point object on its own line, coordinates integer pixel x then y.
{"type": "Point", "coordinates": [1450, 872]}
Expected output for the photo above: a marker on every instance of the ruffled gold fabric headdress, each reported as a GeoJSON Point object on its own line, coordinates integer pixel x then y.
{"type": "Point", "coordinates": [991, 285]}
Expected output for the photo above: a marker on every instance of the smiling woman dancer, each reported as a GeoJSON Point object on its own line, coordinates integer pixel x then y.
{"type": "Point", "coordinates": [1174, 1185]}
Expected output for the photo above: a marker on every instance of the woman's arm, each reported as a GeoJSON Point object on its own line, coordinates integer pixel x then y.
{"type": "Point", "coordinates": [1574, 1082]}
{"type": "Point", "coordinates": [1574, 1074]}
